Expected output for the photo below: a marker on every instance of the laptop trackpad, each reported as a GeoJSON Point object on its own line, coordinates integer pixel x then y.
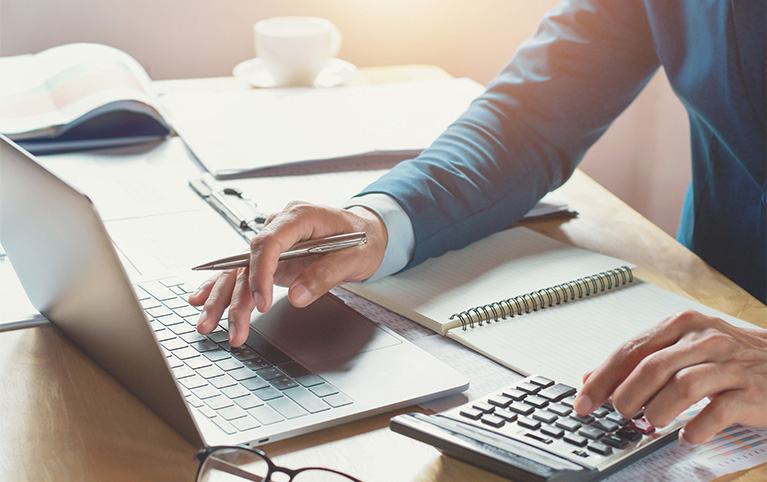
{"type": "Point", "coordinates": [325, 331]}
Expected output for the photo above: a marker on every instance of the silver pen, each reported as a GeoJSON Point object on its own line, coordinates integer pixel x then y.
{"type": "Point", "coordinates": [304, 248]}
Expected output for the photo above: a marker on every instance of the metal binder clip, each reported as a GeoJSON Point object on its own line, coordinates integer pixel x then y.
{"type": "Point", "coordinates": [241, 212]}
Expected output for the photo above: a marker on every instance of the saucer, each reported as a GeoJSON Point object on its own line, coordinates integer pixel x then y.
{"type": "Point", "coordinates": [336, 72]}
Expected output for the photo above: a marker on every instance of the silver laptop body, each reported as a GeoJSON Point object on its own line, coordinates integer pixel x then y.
{"type": "Point", "coordinates": [68, 267]}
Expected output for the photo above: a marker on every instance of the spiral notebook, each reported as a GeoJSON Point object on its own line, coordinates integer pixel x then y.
{"type": "Point", "coordinates": [530, 302]}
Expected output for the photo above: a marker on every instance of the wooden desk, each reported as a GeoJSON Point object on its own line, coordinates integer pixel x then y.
{"type": "Point", "coordinates": [64, 418]}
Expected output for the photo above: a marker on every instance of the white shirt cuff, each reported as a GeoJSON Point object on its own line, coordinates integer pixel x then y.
{"type": "Point", "coordinates": [401, 238]}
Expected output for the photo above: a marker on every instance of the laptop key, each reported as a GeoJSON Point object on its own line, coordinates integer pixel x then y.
{"type": "Point", "coordinates": [309, 380]}
{"type": "Point", "coordinates": [338, 400]}
{"type": "Point", "coordinates": [287, 407]}
{"type": "Point", "coordinates": [323, 389]}
{"type": "Point", "coordinates": [267, 393]}
{"type": "Point", "coordinates": [222, 381]}
{"type": "Point", "coordinates": [186, 310]}
{"type": "Point", "coordinates": [248, 401]}
{"type": "Point", "coordinates": [176, 303]}
{"type": "Point", "coordinates": [232, 412]}
{"type": "Point", "coordinates": [235, 391]}
{"type": "Point", "coordinates": [242, 373]}
{"type": "Point", "coordinates": [229, 364]}
{"type": "Point", "coordinates": [206, 391]}
{"type": "Point", "coordinates": [194, 381]}
{"type": "Point", "coordinates": [173, 343]}
{"type": "Point", "coordinates": [216, 355]}
{"type": "Point", "coordinates": [224, 425]}
{"type": "Point", "coordinates": [157, 290]}
{"type": "Point", "coordinates": [283, 383]}
{"type": "Point", "coordinates": [204, 345]}
{"type": "Point", "coordinates": [218, 402]}
{"type": "Point", "coordinates": [254, 383]}
{"type": "Point", "coordinates": [306, 399]}
{"type": "Point", "coordinates": [245, 423]}
{"type": "Point", "coordinates": [265, 415]}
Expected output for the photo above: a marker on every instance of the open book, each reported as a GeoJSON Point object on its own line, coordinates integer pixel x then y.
{"type": "Point", "coordinates": [77, 96]}
{"type": "Point", "coordinates": [530, 302]}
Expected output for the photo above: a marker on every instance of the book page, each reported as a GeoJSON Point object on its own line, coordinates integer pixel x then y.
{"type": "Point", "coordinates": [60, 85]}
{"type": "Point", "coordinates": [564, 342]}
{"type": "Point", "coordinates": [509, 263]}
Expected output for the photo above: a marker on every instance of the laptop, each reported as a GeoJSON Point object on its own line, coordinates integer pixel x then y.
{"type": "Point", "coordinates": [300, 370]}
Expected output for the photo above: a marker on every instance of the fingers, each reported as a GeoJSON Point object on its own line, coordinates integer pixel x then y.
{"type": "Point", "coordinates": [220, 295]}
{"type": "Point", "coordinates": [310, 278]}
{"type": "Point", "coordinates": [606, 378]}
{"type": "Point", "coordinates": [203, 291]}
{"type": "Point", "coordinates": [719, 414]}
{"type": "Point", "coordinates": [240, 309]}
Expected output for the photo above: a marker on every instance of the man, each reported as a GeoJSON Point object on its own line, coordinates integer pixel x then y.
{"type": "Point", "coordinates": [523, 138]}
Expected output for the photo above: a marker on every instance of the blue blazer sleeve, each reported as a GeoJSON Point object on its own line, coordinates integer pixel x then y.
{"type": "Point", "coordinates": [525, 135]}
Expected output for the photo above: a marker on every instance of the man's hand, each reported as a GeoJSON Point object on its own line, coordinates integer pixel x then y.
{"type": "Point", "coordinates": [308, 278]}
{"type": "Point", "coordinates": [675, 364]}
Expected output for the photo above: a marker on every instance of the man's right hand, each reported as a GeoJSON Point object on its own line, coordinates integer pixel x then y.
{"type": "Point", "coordinates": [245, 289]}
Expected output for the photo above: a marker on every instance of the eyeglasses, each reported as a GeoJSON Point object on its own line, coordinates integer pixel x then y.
{"type": "Point", "coordinates": [235, 463]}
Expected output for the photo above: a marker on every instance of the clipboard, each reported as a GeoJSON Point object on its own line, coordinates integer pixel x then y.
{"type": "Point", "coordinates": [241, 212]}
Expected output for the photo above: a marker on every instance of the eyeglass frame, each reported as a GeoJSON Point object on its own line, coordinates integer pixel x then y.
{"type": "Point", "coordinates": [205, 452]}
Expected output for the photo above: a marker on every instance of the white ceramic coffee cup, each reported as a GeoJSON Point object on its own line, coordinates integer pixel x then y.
{"type": "Point", "coordinates": [296, 49]}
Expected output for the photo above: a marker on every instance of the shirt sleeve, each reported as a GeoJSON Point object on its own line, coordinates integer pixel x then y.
{"type": "Point", "coordinates": [399, 229]}
{"type": "Point", "coordinates": [525, 135]}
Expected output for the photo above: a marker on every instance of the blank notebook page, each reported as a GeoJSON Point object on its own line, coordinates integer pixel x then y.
{"type": "Point", "coordinates": [566, 341]}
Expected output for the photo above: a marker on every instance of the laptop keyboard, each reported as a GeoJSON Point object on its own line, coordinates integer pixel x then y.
{"type": "Point", "coordinates": [240, 388]}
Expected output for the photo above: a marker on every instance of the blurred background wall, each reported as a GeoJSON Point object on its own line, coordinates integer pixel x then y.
{"type": "Point", "coordinates": [644, 158]}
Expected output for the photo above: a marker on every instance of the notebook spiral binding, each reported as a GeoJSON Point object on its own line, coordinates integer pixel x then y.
{"type": "Point", "coordinates": [545, 298]}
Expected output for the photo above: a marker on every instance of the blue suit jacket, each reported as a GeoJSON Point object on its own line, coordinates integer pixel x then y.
{"type": "Point", "coordinates": [558, 95]}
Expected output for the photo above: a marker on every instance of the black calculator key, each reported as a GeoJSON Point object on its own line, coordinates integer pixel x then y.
{"type": "Point", "coordinates": [542, 381]}
{"type": "Point", "coordinates": [529, 388]}
{"type": "Point", "coordinates": [552, 431]}
{"type": "Point", "coordinates": [615, 441]}
{"type": "Point", "coordinates": [521, 408]}
{"type": "Point", "coordinates": [629, 434]}
{"type": "Point", "coordinates": [600, 448]}
{"type": "Point", "coordinates": [575, 439]}
{"type": "Point", "coordinates": [557, 392]}
{"type": "Point", "coordinates": [591, 432]}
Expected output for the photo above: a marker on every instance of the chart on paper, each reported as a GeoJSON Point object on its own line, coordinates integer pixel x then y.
{"type": "Point", "coordinates": [733, 449]}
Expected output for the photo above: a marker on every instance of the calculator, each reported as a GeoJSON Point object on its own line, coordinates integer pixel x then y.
{"type": "Point", "coordinates": [529, 431]}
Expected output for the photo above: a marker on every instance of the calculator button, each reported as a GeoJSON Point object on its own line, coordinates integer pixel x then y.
{"type": "Point", "coordinates": [552, 431]}
{"type": "Point", "coordinates": [629, 434]}
{"type": "Point", "coordinates": [506, 415]}
{"type": "Point", "coordinates": [485, 407]}
{"type": "Point", "coordinates": [536, 401]}
{"type": "Point", "coordinates": [600, 448]}
{"type": "Point", "coordinates": [493, 420]}
{"type": "Point", "coordinates": [606, 425]}
{"type": "Point", "coordinates": [560, 410]}
{"type": "Point", "coordinates": [529, 388]}
{"type": "Point", "coordinates": [615, 441]}
{"type": "Point", "coordinates": [545, 416]}
{"type": "Point", "coordinates": [514, 394]}
{"type": "Point", "coordinates": [642, 425]}
{"type": "Point", "coordinates": [557, 392]}
{"type": "Point", "coordinates": [541, 381]}
{"type": "Point", "coordinates": [617, 418]}
{"type": "Point", "coordinates": [569, 401]}
{"type": "Point", "coordinates": [471, 413]}
{"type": "Point", "coordinates": [591, 432]}
{"type": "Point", "coordinates": [521, 408]}
{"type": "Point", "coordinates": [567, 424]}
{"type": "Point", "coordinates": [600, 412]}
{"type": "Point", "coordinates": [575, 439]}
{"type": "Point", "coordinates": [499, 401]}
{"type": "Point", "coordinates": [529, 423]}
{"type": "Point", "coordinates": [584, 420]}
